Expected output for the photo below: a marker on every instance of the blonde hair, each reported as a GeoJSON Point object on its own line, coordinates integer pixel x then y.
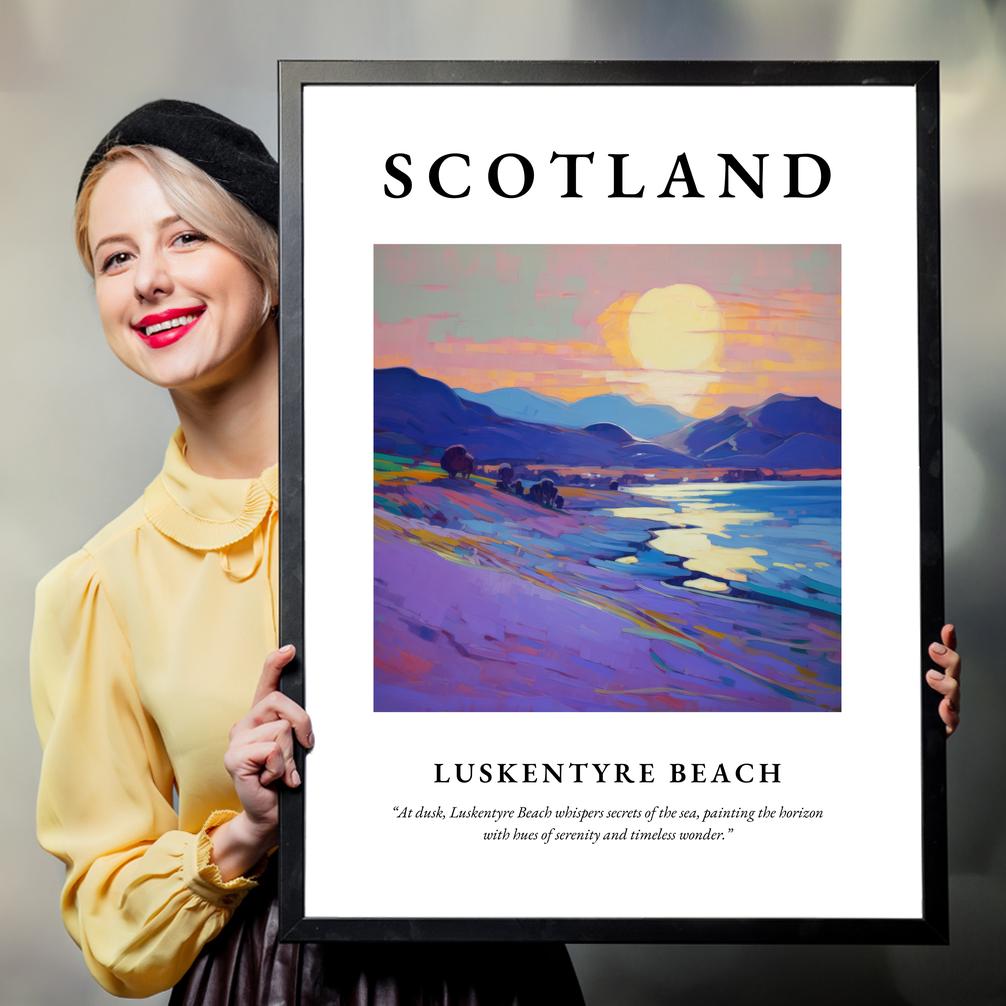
{"type": "Point", "coordinates": [199, 200]}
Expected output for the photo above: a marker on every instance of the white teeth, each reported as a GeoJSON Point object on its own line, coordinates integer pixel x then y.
{"type": "Point", "coordinates": [173, 323]}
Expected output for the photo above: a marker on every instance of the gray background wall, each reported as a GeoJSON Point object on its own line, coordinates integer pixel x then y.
{"type": "Point", "coordinates": [82, 436]}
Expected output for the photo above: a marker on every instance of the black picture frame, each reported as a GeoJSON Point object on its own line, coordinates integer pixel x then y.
{"type": "Point", "coordinates": [932, 926]}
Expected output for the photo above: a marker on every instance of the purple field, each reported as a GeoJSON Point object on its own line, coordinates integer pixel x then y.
{"type": "Point", "coordinates": [485, 601]}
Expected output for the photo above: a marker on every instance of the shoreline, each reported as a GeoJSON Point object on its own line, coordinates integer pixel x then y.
{"type": "Point", "coordinates": [545, 609]}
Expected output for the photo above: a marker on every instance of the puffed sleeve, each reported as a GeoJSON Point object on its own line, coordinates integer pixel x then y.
{"type": "Point", "coordinates": [141, 898]}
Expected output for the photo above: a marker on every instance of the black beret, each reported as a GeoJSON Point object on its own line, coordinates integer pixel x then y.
{"type": "Point", "coordinates": [231, 154]}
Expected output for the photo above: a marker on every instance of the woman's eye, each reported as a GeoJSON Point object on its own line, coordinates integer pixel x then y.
{"type": "Point", "coordinates": [189, 238]}
{"type": "Point", "coordinates": [114, 261]}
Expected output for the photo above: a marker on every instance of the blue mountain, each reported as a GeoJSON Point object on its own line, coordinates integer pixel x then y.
{"type": "Point", "coordinates": [642, 421]}
{"type": "Point", "coordinates": [610, 431]}
{"type": "Point", "coordinates": [416, 416]}
{"type": "Point", "coordinates": [785, 431]}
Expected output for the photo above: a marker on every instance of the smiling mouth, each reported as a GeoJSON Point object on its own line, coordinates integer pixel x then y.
{"type": "Point", "coordinates": [185, 319]}
{"type": "Point", "coordinates": [165, 324]}
{"type": "Point", "coordinates": [167, 327]}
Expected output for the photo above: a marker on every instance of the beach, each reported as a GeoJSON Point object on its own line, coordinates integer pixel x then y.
{"type": "Point", "coordinates": [649, 598]}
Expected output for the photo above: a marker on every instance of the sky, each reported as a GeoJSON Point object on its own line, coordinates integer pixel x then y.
{"type": "Point", "coordinates": [696, 327]}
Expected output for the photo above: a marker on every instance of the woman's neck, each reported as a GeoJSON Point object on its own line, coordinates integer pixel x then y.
{"type": "Point", "coordinates": [231, 426]}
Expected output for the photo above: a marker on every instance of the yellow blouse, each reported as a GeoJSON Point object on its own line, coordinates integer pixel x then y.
{"type": "Point", "coordinates": [147, 647]}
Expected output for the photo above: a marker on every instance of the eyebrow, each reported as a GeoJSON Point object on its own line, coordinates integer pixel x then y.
{"type": "Point", "coordinates": [160, 225]}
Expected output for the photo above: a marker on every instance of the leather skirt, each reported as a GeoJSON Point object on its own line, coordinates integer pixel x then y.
{"type": "Point", "coordinates": [246, 965]}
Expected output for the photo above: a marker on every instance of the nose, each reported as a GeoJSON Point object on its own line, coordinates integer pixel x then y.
{"type": "Point", "coordinates": [152, 276]}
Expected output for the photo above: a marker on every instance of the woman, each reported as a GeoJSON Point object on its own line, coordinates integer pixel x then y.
{"type": "Point", "coordinates": [149, 642]}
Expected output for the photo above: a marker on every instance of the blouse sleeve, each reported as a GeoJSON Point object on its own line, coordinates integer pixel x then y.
{"type": "Point", "coordinates": [141, 898]}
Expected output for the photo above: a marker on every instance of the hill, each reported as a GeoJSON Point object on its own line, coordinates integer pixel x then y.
{"type": "Point", "coordinates": [642, 421]}
{"type": "Point", "coordinates": [415, 415]}
{"type": "Point", "coordinates": [418, 416]}
{"type": "Point", "coordinates": [787, 431]}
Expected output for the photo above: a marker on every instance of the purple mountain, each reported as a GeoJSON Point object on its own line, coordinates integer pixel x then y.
{"type": "Point", "coordinates": [784, 431]}
{"type": "Point", "coordinates": [610, 432]}
{"type": "Point", "coordinates": [415, 416]}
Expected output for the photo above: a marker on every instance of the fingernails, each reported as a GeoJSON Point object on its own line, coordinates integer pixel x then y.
{"type": "Point", "coordinates": [936, 675]}
{"type": "Point", "coordinates": [295, 777]}
{"type": "Point", "coordinates": [286, 649]}
{"type": "Point", "coordinates": [938, 648]}
{"type": "Point", "coordinates": [310, 740]}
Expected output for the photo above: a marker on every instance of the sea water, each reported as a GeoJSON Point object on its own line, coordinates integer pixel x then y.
{"type": "Point", "coordinates": [772, 541]}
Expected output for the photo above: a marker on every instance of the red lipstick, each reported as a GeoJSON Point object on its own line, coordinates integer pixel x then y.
{"type": "Point", "coordinates": [165, 332]}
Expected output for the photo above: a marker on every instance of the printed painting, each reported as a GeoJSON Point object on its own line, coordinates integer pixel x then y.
{"type": "Point", "coordinates": [607, 478]}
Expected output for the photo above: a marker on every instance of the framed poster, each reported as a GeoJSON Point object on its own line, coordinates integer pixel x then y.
{"type": "Point", "coordinates": [651, 353]}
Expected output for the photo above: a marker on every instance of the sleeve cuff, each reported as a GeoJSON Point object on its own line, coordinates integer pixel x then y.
{"type": "Point", "coordinates": [202, 876]}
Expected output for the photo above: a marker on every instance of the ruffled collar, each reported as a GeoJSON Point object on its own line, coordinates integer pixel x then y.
{"type": "Point", "coordinates": [203, 513]}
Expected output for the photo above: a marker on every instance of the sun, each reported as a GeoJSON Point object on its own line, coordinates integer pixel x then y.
{"type": "Point", "coordinates": [675, 328]}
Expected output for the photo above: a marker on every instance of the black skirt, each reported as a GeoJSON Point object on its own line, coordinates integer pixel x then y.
{"type": "Point", "coordinates": [246, 965]}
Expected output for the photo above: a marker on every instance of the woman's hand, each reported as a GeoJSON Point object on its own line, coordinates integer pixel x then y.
{"type": "Point", "coordinates": [947, 682]}
{"type": "Point", "coordinates": [260, 753]}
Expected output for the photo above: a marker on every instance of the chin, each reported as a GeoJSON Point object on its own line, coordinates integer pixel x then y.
{"type": "Point", "coordinates": [177, 382]}
{"type": "Point", "coordinates": [191, 364]}
{"type": "Point", "coordinates": [171, 374]}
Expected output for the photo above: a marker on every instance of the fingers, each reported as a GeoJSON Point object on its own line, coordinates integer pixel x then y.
{"type": "Point", "coordinates": [261, 749]}
{"type": "Point", "coordinates": [947, 681]}
{"type": "Point", "coordinates": [270, 703]}
{"type": "Point", "coordinates": [949, 636]}
{"type": "Point", "coordinates": [280, 763]}
{"type": "Point", "coordinates": [277, 706]}
{"type": "Point", "coordinates": [262, 760]}
{"type": "Point", "coordinates": [265, 751]}
{"type": "Point", "coordinates": [271, 671]}
{"type": "Point", "coordinates": [949, 687]}
{"type": "Point", "coordinates": [272, 760]}
{"type": "Point", "coordinates": [948, 660]}
{"type": "Point", "coordinates": [949, 714]}
{"type": "Point", "coordinates": [951, 718]}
